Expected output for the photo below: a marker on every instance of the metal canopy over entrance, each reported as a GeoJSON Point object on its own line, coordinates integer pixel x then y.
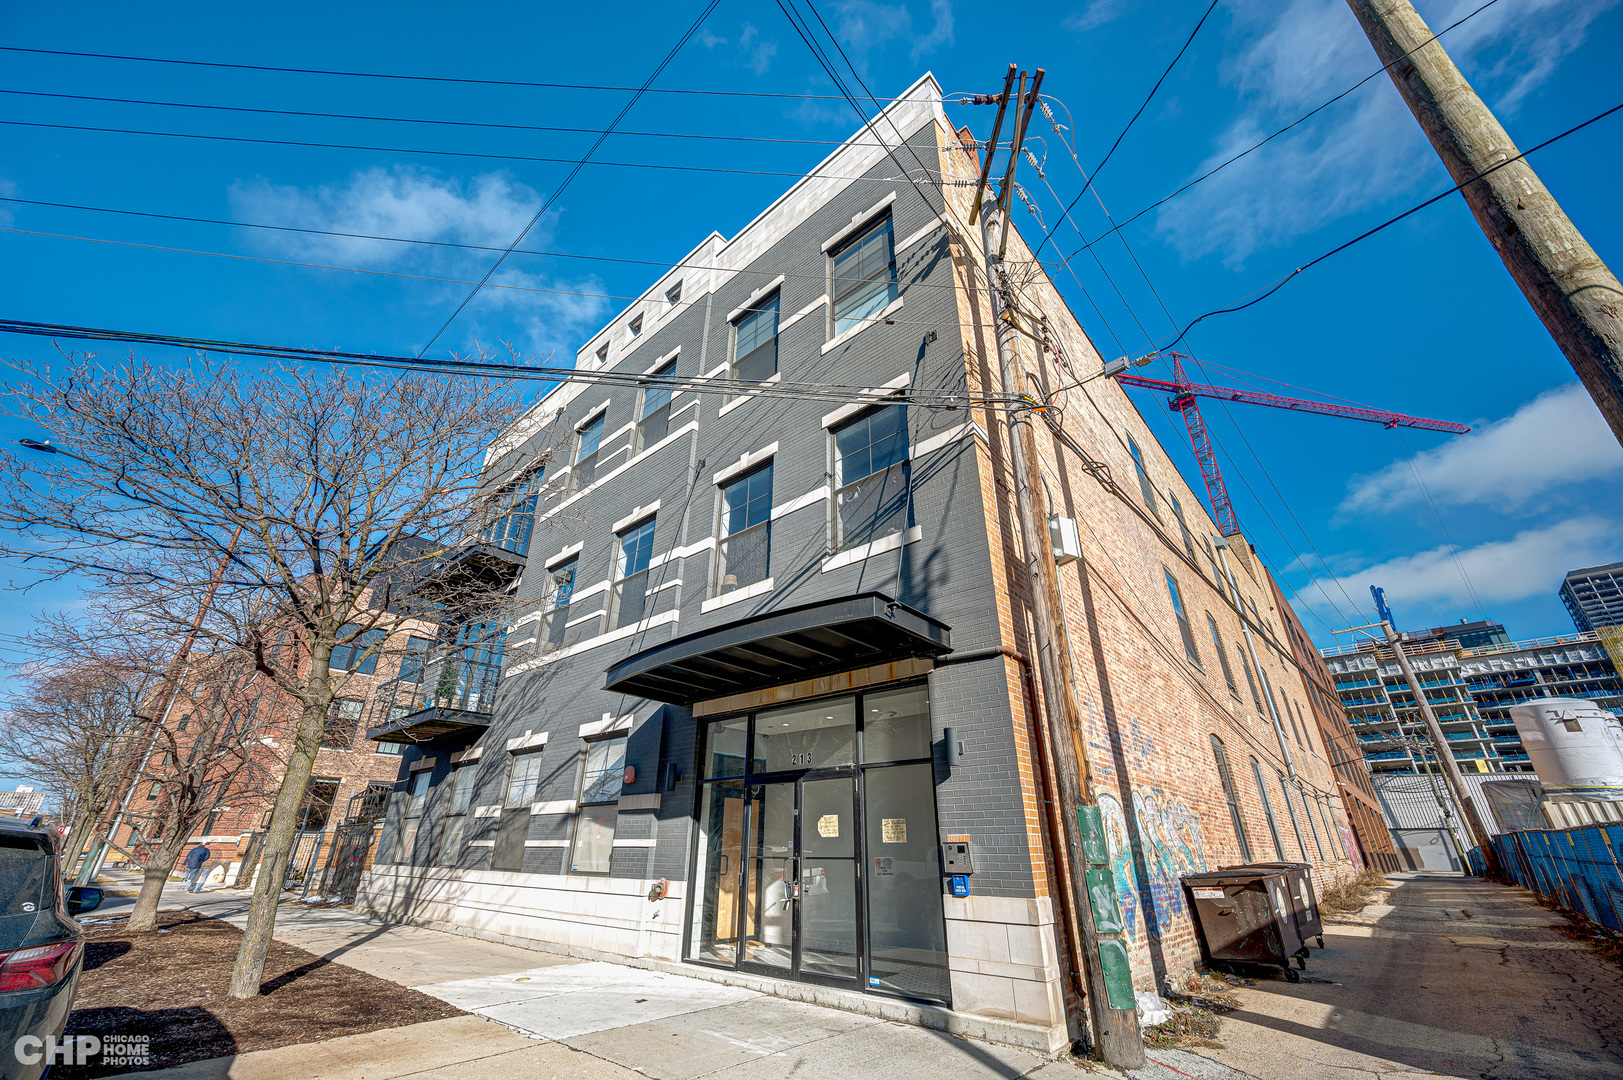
{"type": "Point", "coordinates": [780, 647]}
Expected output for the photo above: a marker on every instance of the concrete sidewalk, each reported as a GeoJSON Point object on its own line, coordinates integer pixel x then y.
{"type": "Point", "coordinates": [535, 1013]}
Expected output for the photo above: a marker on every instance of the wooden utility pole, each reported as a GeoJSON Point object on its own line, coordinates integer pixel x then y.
{"type": "Point", "coordinates": [1115, 1032]}
{"type": "Point", "coordinates": [1573, 292]}
{"type": "Point", "coordinates": [1445, 756]}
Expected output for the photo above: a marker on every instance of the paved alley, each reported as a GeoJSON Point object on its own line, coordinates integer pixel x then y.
{"type": "Point", "coordinates": [1452, 976]}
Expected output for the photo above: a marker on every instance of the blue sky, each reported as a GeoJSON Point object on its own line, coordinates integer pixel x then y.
{"type": "Point", "coordinates": [1421, 319]}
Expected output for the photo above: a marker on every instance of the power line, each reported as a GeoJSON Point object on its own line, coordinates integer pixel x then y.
{"type": "Point", "coordinates": [1281, 283]}
{"type": "Point", "coordinates": [558, 191]}
{"type": "Point", "coordinates": [1264, 142]}
{"type": "Point", "coordinates": [417, 120]}
{"type": "Point", "coordinates": [1147, 99]}
{"type": "Point", "coordinates": [659, 166]}
{"type": "Point", "coordinates": [389, 273]}
{"type": "Point", "coordinates": [451, 244]}
{"type": "Point", "coordinates": [946, 399]}
{"type": "Point", "coordinates": [410, 78]}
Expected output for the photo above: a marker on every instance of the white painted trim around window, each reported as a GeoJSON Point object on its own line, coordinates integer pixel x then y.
{"type": "Point", "coordinates": [758, 589]}
{"type": "Point", "coordinates": [858, 220]}
{"type": "Point", "coordinates": [852, 331]}
{"type": "Point", "coordinates": [821, 301]}
{"type": "Point", "coordinates": [929, 227]}
{"type": "Point", "coordinates": [747, 395]}
{"type": "Point", "coordinates": [636, 516]}
{"type": "Point", "coordinates": [527, 741]}
{"type": "Point", "coordinates": [546, 843]}
{"type": "Point", "coordinates": [758, 294]}
{"type": "Point", "coordinates": [649, 842]}
{"type": "Point", "coordinates": [845, 412]}
{"type": "Point", "coordinates": [555, 808]}
{"type": "Point", "coordinates": [572, 549]}
{"type": "Point", "coordinates": [608, 725]}
{"type": "Point", "coordinates": [747, 460]}
{"type": "Point", "coordinates": [811, 498]}
{"type": "Point", "coordinates": [878, 547]}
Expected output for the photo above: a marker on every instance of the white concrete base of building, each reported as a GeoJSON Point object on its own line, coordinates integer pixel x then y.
{"type": "Point", "coordinates": [1003, 961]}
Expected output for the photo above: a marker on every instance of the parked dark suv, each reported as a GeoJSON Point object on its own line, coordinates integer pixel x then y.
{"type": "Point", "coordinates": [41, 947]}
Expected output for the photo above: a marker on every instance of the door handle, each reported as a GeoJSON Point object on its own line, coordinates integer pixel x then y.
{"type": "Point", "coordinates": [725, 863]}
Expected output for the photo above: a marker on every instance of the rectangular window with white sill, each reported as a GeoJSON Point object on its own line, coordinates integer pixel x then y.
{"type": "Point", "coordinates": [588, 440]}
{"type": "Point", "coordinates": [630, 598]}
{"type": "Point", "coordinates": [872, 477]}
{"type": "Point", "coordinates": [549, 635]}
{"type": "Point", "coordinates": [863, 275]}
{"type": "Point", "coordinates": [654, 418]}
{"type": "Point", "coordinates": [743, 555]}
{"type": "Point", "coordinates": [755, 342]}
{"type": "Point", "coordinates": [602, 776]}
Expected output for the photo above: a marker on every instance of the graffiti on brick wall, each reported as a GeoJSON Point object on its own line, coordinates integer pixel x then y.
{"type": "Point", "coordinates": [1119, 841]}
{"type": "Point", "coordinates": [1172, 844]}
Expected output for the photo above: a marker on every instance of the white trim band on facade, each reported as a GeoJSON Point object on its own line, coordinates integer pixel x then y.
{"type": "Point", "coordinates": [547, 843]}
{"type": "Point", "coordinates": [878, 547]}
{"type": "Point", "coordinates": [760, 588]}
{"type": "Point", "coordinates": [560, 556]}
{"type": "Point", "coordinates": [856, 328]}
{"type": "Point", "coordinates": [763, 291]}
{"type": "Point", "coordinates": [424, 763]}
{"type": "Point", "coordinates": [494, 810]}
{"type": "Point", "coordinates": [893, 387]}
{"type": "Point", "coordinates": [946, 438]}
{"type": "Point", "coordinates": [748, 395]}
{"type": "Point", "coordinates": [821, 301]}
{"type": "Point", "coordinates": [858, 220]}
{"type": "Point", "coordinates": [929, 227]}
{"type": "Point", "coordinates": [557, 806]}
{"type": "Point", "coordinates": [607, 725]}
{"type": "Point", "coordinates": [744, 462]}
{"type": "Point", "coordinates": [649, 801]}
{"type": "Point", "coordinates": [636, 516]}
{"type": "Point", "coordinates": [647, 843]}
{"type": "Point", "coordinates": [472, 753]}
{"type": "Point", "coordinates": [800, 502]}
{"type": "Point", "coordinates": [586, 419]}
{"type": "Point", "coordinates": [527, 741]}
{"type": "Point", "coordinates": [482, 843]}
{"type": "Point", "coordinates": [673, 616]}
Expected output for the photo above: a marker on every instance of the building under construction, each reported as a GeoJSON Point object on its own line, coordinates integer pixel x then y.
{"type": "Point", "coordinates": [1472, 674]}
{"type": "Point", "coordinates": [772, 711]}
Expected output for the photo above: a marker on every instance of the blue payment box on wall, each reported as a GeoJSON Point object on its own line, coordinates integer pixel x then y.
{"type": "Point", "coordinates": [960, 884]}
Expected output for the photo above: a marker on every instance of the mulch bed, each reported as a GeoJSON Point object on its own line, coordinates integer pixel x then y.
{"type": "Point", "coordinates": [171, 985]}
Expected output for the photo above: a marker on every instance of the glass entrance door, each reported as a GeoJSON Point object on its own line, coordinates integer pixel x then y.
{"type": "Point", "coordinates": [800, 879]}
{"type": "Point", "coordinates": [815, 854]}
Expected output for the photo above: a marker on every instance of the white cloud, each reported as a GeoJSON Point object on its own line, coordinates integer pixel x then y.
{"type": "Point", "coordinates": [7, 188]}
{"type": "Point", "coordinates": [1365, 149]}
{"type": "Point", "coordinates": [1094, 15]}
{"type": "Point", "coordinates": [864, 25]}
{"type": "Point", "coordinates": [941, 32]}
{"type": "Point", "coordinates": [709, 40]}
{"type": "Point", "coordinates": [487, 210]}
{"type": "Point", "coordinates": [758, 54]}
{"type": "Point", "coordinates": [1531, 563]}
{"type": "Point", "coordinates": [406, 202]}
{"type": "Point", "coordinates": [1558, 438]}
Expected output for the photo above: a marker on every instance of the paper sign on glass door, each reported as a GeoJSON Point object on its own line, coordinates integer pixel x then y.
{"type": "Point", "coordinates": [893, 830]}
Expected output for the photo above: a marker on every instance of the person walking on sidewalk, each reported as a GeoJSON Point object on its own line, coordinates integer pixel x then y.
{"type": "Point", "coordinates": [194, 868]}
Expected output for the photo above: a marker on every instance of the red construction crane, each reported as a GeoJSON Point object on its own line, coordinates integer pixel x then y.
{"type": "Point", "coordinates": [1185, 392]}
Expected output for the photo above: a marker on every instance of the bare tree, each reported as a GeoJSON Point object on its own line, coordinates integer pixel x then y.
{"type": "Point", "coordinates": [350, 498]}
{"type": "Point", "coordinates": [212, 754]}
{"type": "Point", "coordinates": [75, 724]}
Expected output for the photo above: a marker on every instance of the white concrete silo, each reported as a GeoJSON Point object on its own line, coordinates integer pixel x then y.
{"type": "Point", "coordinates": [1575, 746]}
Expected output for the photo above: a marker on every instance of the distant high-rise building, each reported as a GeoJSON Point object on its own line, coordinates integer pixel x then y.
{"type": "Point", "coordinates": [1594, 596]}
{"type": "Point", "coordinates": [1472, 674]}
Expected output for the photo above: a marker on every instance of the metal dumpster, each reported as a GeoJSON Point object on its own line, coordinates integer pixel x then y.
{"type": "Point", "coordinates": [1299, 883]}
{"type": "Point", "coordinates": [1246, 915]}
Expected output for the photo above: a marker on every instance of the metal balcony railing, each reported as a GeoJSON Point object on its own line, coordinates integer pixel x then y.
{"type": "Point", "coordinates": [448, 677]}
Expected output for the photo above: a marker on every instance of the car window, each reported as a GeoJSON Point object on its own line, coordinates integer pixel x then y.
{"type": "Point", "coordinates": [23, 869]}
